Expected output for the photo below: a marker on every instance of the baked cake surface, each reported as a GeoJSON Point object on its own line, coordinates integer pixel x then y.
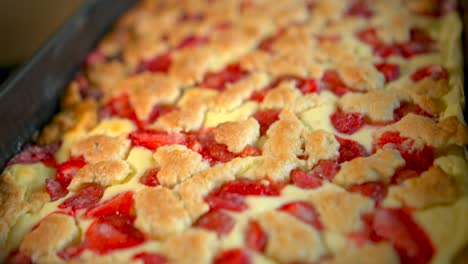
{"type": "Point", "coordinates": [253, 131]}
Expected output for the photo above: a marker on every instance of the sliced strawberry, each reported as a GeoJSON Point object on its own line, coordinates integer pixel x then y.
{"type": "Point", "coordinates": [218, 80]}
{"type": "Point", "coordinates": [152, 140]}
{"type": "Point", "coordinates": [267, 43]}
{"type": "Point", "coordinates": [67, 170]}
{"type": "Point", "coordinates": [150, 258]}
{"type": "Point", "coordinates": [249, 151]}
{"type": "Point", "coordinates": [436, 72]}
{"type": "Point", "coordinates": [35, 153]}
{"type": "Point", "coordinates": [55, 189]}
{"type": "Point", "coordinates": [120, 204]}
{"type": "Point", "coordinates": [150, 177]}
{"type": "Point", "coordinates": [230, 196]}
{"type": "Point", "coordinates": [325, 169]}
{"type": "Point", "coordinates": [410, 241]}
{"type": "Point", "coordinates": [308, 86]}
{"type": "Point", "coordinates": [215, 152]}
{"type": "Point", "coordinates": [369, 36]}
{"type": "Point", "coordinates": [350, 149]}
{"type": "Point", "coordinates": [304, 180]}
{"type": "Point", "coordinates": [374, 190]}
{"type": "Point", "coordinates": [420, 43]}
{"type": "Point", "coordinates": [120, 106]}
{"type": "Point", "coordinates": [227, 201]}
{"type": "Point", "coordinates": [255, 237]}
{"type": "Point", "coordinates": [192, 41]}
{"type": "Point", "coordinates": [216, 221]}
{"type": "Point", "coordinates": [360, 9]}
{"type": "Point", "coordinates": [258, 96]}
{"type": "Point", "coordinates": [112, 232]}
{"type": "Point", "coordinates": [332, 82]}
{"type": "Point", "coordinates": [266, 118]}
{"type": "Point", "coordinates": [160, 63]}
{"type": "Point", "coordinates": [387, 50]}
{"type": "Point", "coordinates": [304, 211]}
{"type": "Point", "coordinates": [406, 108]}
{"type": "Point", "coordinates": [416, 158]}
{"type": "Point", "coordinates": [347, 123]}
{"type": "Point", "coordinates": [18, 258]}
{"type": "Point", "coordinates": [232, 256]}
{"type": "Point", "coordinates": [390, 71]}
{"type": "Point", "coordinates": [85, 198]}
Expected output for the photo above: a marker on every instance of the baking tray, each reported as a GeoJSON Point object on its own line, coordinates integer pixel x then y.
{"type": "Point", "coordinates": [30, 98]}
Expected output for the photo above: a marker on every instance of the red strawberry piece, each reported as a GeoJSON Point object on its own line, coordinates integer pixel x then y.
{"type": "Point", "coordinates": [18, 258]}
{"type": "Point", "coordinates": [436, 72]}
{"type": "Point", "coordinates": [215, 152]}
{"type": "Point", "coordinates": [160, 63]}
{"type": "Point", "coordinates": [420, 43]}
{"type": "Point", "coordinates": [350, 149]}
{"type": "Point", "coordinates": [120, 204]}
{"type": "Point", "coordinates": [398, 227]}
{"type": "Point", "coordinates": [325, 169]}
{"type": "Point", "coordinates": [227, 201]}
{"type": "Point", "coordinates": [35, 153]}
{"type": "Point", "coordinates": [249, 151]}
{"type": "Point", "coordinates": [406, 108]}
{"type": "Point", "coordinates": [112, 232]}
{"type": "Point", "coordinates": [154, 139]}
{"type": "Point", "coordinates": [374, 190]}
{"type": "Point", "coordinates": [304, 211]}
{"type": "Point", "coordinates": [390, 71]}
{"type": "Point", "coordinates": [369, 36]}
{"type": "Point", "coordinates": [232, 256]}
{"type": "Point", "coordinates": [94, 57]}
{"type": "Point", "coordinates": [120, 106]}
{"type": "Point", "coordinates": [55, 189]}
{"type": "Point", "coordinates": [332, 82]}
{"type": "Point", "coordinates": [387, 50]}
{"type": "Point", "coordinates": [85, 198]}
{"type": "Point", "coordinates": [266, 118]}
{"type": "Point", "coordinates": [150, 258]}
{"type": "Point", "coordinates": [347, 123]}
{"type": "Point", "coordinates": [218, 80]}
{"type": "Point", "coordinates": [192, 41]}
{"type": "Point", "coordinates": [216, 221]}
{"type": "Point", "coordinates": [267, 43]}
{"type": "Point", "coordinates": [304, 180]}
{"type": "Point", "coordinates": [67, 170]}
{"type": "Point", "coordinates": [255, 237]}
{"type": "Point", "coordinates": [360, 9]}
{"type": "Point", "coordinates": [150, 177]}
{"type": "Point", "coordinates": [308, 85]}
{"type": "Point", "coordinates": [191, 17]}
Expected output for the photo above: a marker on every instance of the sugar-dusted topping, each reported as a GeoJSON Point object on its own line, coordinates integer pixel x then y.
{"type": "Point", "coordinates": [427, 87]}
{"type": "Point", "coordinates": [341, 211]}
{"type": "Point", "coordinates": [177, 163]}
{"type": "Point", "coordinates": [369, 253]}
{"type": "Point", "coordinates": [291, 64]}
{"type": "Point", "coordinates": [147, 90]}
{"type": "Point", "coordinates": [361, 75]}
{"type": "Point", "coordinates": [190, 64]}
{"type": "Point", "coordinates": [395, 25]}
{"type": "Point", "coordinates": [294, 39]}
{"type": "Point", "coordinates": [190, 247]}
{"type": "Point", "coordinates": [236, 135]}
{"type": "Point", "coordinates": [449, 131]}
{"type": "Point", "coordinates": [160, 213]}
{"type": "Point", "coordinates": [320, 145]}
{"type": "Point", "coordinates": [432, 187]}
{"type": "Point", "coordinates": [105, 173]}
{"type": "Point", "coordinates": [379, 167]}
{"type": "Point", "coordinates": [237, 92]}
{"type": "Point", "coordinates": [54, 232]}
{"type": "Point", "coordinates": [377, 105]}
{"type": "Point", "coordinates": [329, 10]}
{"type": "Point", "coordinates": [107, 74]}
{"type": "Point", "coordinates": [98, 148]}
{"type": "Point", "coordinates": [286, 95]}
{"type": "Point", "coordinates": [187, 118]}
{"type": "Point", "coordinates": [255, 60]}
{"type": "Point", "coordinates": [282, 146]}
{"type": "Point", "coordinates": [289, 239]}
